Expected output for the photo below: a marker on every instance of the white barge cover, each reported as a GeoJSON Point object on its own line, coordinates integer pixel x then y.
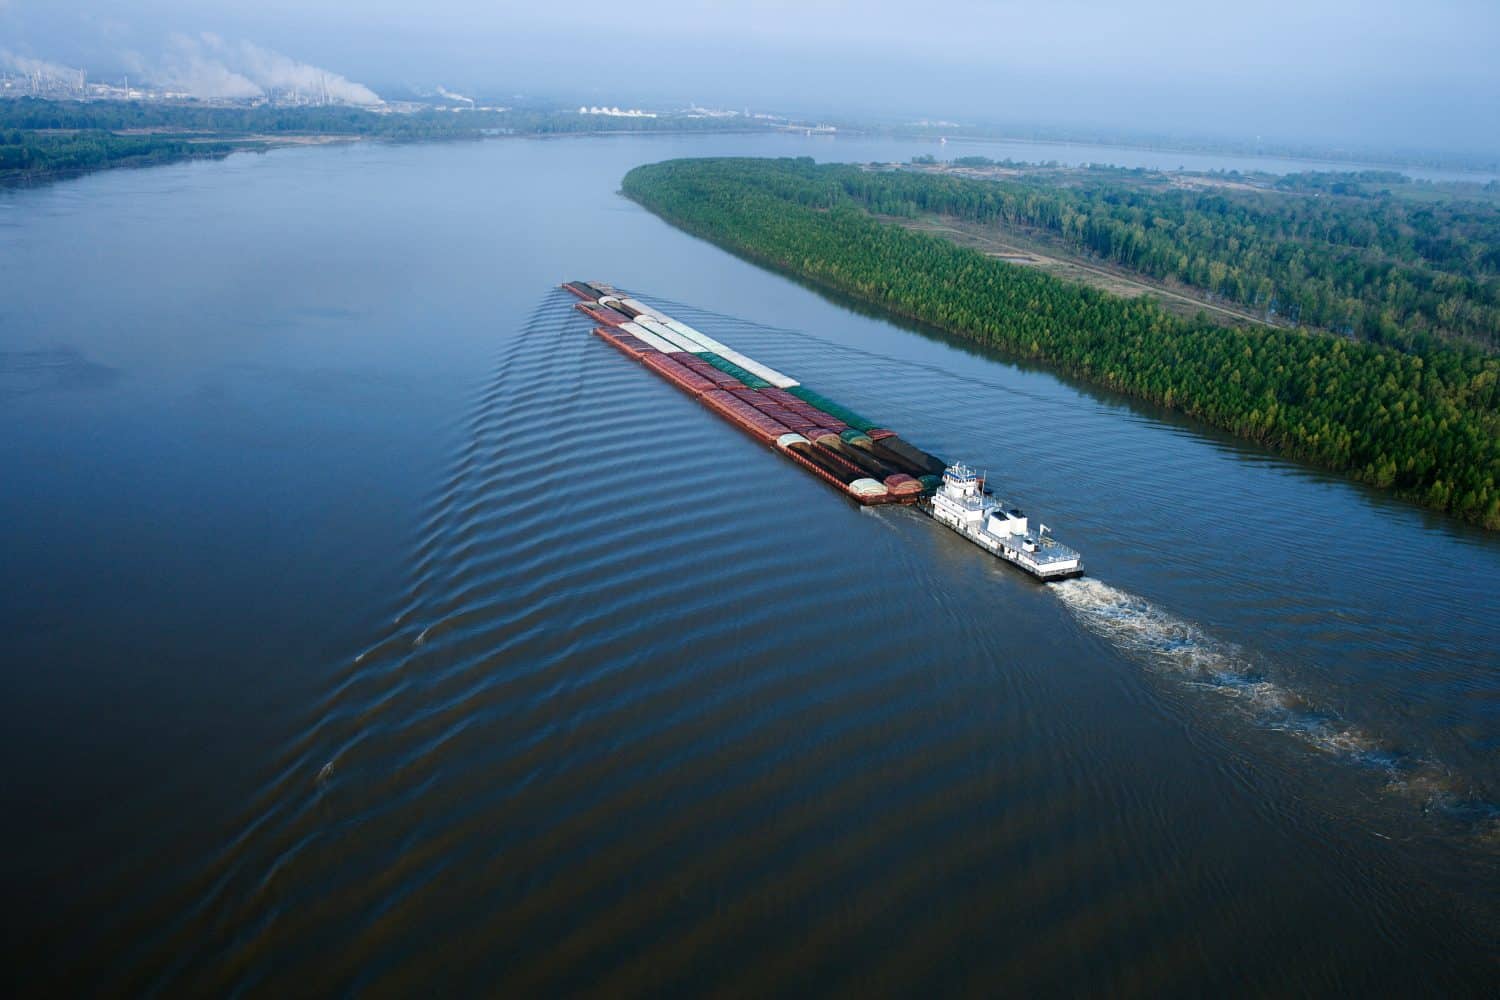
{"type": "Point", "coordinates": [686, 338]}
{"type": "Point", "coordinates": [641, 307]}
{"type": "Point", "coordinates": [707, 343]}
{"type": "Point", "coordinates": [650, 339]}
{"type": "Point", "coordinates": [664, 332]}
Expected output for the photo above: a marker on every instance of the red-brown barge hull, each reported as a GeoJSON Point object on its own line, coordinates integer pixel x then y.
{"type": "Point", "coordinates": [764, 414]}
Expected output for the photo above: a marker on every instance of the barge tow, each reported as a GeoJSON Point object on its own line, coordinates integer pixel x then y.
{"type": "Point", "coordinates": [867, 463]}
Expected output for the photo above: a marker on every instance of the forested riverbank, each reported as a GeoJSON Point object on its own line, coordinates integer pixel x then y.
{"type": "Point", "coordinates": [1423, 422]}
{"type": "Point", "coordinates": [42, 140]}
{"type": "Point", "coordinates": [31, 156]}
{"type": "Point", "coordinates": [1370, 255]}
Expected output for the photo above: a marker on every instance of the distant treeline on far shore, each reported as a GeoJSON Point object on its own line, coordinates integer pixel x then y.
{"type": "Point", "coordinates": [40, 139]}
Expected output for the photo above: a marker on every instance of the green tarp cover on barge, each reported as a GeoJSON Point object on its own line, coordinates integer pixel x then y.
{"type": "Point", "coordinates": [831, 408]}
{"type": "Point", "coordinates": [751, 380]}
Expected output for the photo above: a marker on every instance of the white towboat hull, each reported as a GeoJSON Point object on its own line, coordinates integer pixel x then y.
{"type": "Point", "coordinates": [963, 504]}
{"type": "Point", "coordinates": [1055, 571]}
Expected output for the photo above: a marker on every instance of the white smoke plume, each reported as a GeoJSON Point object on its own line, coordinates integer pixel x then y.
{"type": "Point", "coordinates": [276, 72]}
{"type": "Point", "coordinates": [189, 68]}
{"type": "Point", "coordinates": [47, 75]}
{"type": "Point", "coordinates": [207, 66]}
{"type": "Point", "coordinates": [452, 96]}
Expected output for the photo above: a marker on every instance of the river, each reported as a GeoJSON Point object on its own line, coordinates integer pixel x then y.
{"type": "Point", "coordinates": [371, 626]}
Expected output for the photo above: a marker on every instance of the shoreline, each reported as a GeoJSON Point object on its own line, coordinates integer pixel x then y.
{"type": "Point", "coordinates": [1194, 410]}
{"type": "Point", "coordinates": [263, 142]}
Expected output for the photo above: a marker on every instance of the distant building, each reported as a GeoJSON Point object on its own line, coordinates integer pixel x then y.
{"type": "Point", "coordinates": [616, 112]}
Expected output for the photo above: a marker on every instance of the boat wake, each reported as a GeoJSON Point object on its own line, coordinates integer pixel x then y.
{"type": "Point", "coordinates": [1174, 646]}
{"type": "Point", "coordinates": [1146, 633]}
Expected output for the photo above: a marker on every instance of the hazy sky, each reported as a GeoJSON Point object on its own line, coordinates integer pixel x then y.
{"type": "Point", "coordinates": [1379, 72]}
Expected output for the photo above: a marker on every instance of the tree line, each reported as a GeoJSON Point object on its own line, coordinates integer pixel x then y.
{"type": "Point", "coordinates": [1425, 425]}
{"type": "Point", "coordinates": [30, 154]}
{"type": "Point", "coordinates": [1322, 250]}
{"type": "Point", "coordinates": [30, 114]}
{"type": "Point", "coordinates": [40, 138]}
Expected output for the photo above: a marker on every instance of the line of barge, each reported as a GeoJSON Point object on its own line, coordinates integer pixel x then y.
{"type": "Point", "coordinates": [868, 463]}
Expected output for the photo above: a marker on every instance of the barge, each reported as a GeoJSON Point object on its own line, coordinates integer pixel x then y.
{"type": "Point", "coordinates": [867, 463]}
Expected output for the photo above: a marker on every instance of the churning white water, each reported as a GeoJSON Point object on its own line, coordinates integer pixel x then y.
{"type": "Point", "coordinates": [1174, 646]}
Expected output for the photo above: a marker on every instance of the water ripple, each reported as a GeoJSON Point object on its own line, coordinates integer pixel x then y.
{"type": "Point", "coordinates": [639, 706]}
